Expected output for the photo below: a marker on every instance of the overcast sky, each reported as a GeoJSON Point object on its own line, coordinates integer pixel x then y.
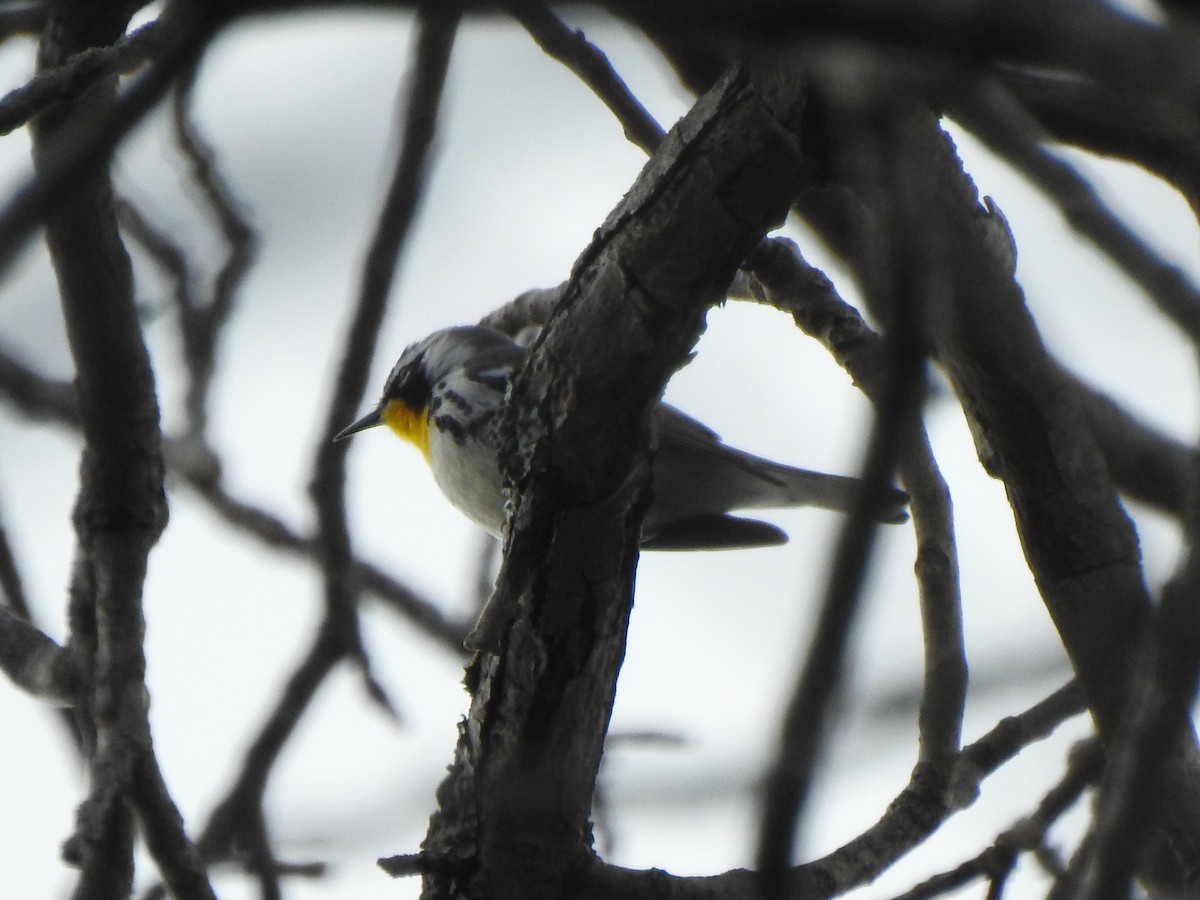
{"type": "Point", "coordinates": [301, 110]}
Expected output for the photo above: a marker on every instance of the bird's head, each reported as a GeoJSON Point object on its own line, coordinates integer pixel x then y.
{"type": "Point", "coordinates": [478, 353]}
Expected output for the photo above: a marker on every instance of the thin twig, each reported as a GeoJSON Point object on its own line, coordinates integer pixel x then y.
{"type": "Point", "coordinates": [202, 328]}
{"type": "Point", "coordinates": [896, 413]}
{"type": "Point", "coordinates": [166, 253]}
{"type": "Point", "coordinates": [66, 163]}
{"type": "Point", "coordinates": [1009, 737]}
{"type": "Point", "coordinates": [238, 820]}
{"type": "Point", "coordinates": [434, 42]}
{"type": "Point", "coordinates": [37, 664]}
{"type": "Point", "coordinates": [587, 61]}
{"type": "Point", "coordinates": [786, 282]}
{"type": "Point", "coordinates": [12, 585]}
{"type": "Point", "coordinates": [70, 80]}
{"type": "Point", "coordinates": [1028, 835]}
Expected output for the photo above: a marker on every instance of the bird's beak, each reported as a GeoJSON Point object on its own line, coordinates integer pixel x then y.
{"type": "Point", "coordinates": [370, 420]}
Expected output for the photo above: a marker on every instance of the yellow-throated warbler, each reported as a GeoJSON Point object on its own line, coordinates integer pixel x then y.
{"type": "Point", "coordinates": [445, 393]}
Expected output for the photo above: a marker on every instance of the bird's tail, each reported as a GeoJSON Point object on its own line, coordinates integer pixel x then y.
{"type": "Point", "coordinates": [801, 487]}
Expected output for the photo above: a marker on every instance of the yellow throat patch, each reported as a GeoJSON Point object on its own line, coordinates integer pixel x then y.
{"type": "Point", "coordinates": [411, 424]}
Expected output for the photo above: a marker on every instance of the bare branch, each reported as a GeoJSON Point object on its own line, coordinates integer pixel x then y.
{"type": "Point", "coordinates": [1031, 432]}
{"type": "Point", "coordinates": [525, 767]}
{"type": "Point", "coordinates": [1117, 50]}
{"type": "Point", "coordinates": [177, 858]}
{"type": "Point", "coordinates": [1012, 735]}
{"type": "Point", "coordinates": [201, 325]}
{"type": "Point", "coordinates": [66, 164]}
{"type": "Point", "coordinates": [997, 861]}
{"type": "Point", "coordinates": [35, 663]}
{"type": "Point", "coordinates": [1145, 464]}
{"type": "Point", "coordinates": [236, 829]}
{"type": "Point", "coordinates": [906, 824]}
{"type": "Point", "coordinates": [81, 71]}
{"type": "Point", "coordinates": [121, 508]}
{"type": "Point", "coordinates": [166, 253]}
{"type": "Point", "coordinates": [434, 41]}
{"type": "Point", "coordinates": [1156, 739]}
{"type": "Point", "coordinates": [1155, 133]}
{"type": "Point", "coordinates": [583, 58]}
{"type": "Point", "coordinates": [996, 116]}
{"type": "Point", "coordinates": [904, 275]}
{"type": "Point", "coordinates": [788, 283]}
{"type": "Point", "coordinates": [239, 819]}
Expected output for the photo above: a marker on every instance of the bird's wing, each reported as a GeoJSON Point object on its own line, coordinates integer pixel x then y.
{"type": "Point", "coordinates": [679, 432]}
{"type": "Point", "coordinates": [696, 475]}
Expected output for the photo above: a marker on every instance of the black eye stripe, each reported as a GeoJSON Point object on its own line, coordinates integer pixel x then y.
{"type": "Point", "coordinates": [410, 386]}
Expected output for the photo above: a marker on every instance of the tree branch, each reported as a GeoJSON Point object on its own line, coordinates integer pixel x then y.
{"type": "Point", "coordinates": [1157, 134]}
{"type": "Point", "coordinates": [554, 632]}
{"type": "Point", "coordinates": [997, 861]}
{"type": "Point", "coordinates": [239, 818]}
{"type": "Point", "coordinates": [842, 869]}
{"type": "Point", "coordinates": [995, 115]}
{"type": "Point", "coordinates": [1156, 739]}
{"type": "Point", "coordinates": [903, 271]}
{"type": "Point", "coordinates": [121, 509]}
{"type": "Point", "coordinates": [201, 325]}
{"type": "Point", "coordinates": [1031, 432]}
{"type": "Point", "coordinates": [789, 284]}
{"type": "Point", "coordinates": [35, 663]}
{"type": "Point", "coordinates": [81, 71]}
{"type": "Point", "coordinates": [583, 58]}
{"type": "Point", "coordinates": [65, 165]}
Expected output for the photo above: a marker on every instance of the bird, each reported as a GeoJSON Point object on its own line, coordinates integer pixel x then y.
{"type": "Point", "coordinates": [445, 393]}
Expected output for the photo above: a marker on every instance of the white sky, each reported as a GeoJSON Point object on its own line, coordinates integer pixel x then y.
{"type": "Point", "coordinates": [530, 163]}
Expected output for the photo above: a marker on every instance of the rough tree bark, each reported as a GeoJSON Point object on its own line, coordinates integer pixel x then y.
{"type": "Point", "coordinates": [514, 818]}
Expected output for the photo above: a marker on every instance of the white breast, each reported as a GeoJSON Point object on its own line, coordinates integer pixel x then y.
{"type": "Point", "coordinates": [469, 477]}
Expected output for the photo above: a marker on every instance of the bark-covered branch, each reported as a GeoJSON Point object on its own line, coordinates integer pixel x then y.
{"type": "Point", "coordinates": [996, 863]}
{"type": "Point", "coordinates": [1031, 432]}
{"type": "Point", "coordinates": [65, 163]}
{"type": "Point", "coordinates": [553, 635]}
{"type": "Point", "coordinates": [121, 507]}
{"type": "Point", "coordinates": [789, 284]}
{"type": "Point", "coordinates": [78, 73]}
{"type": "Point", "coordinates": [995, 115]}
{"type": "Point", "coordinates": [36, 663]}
